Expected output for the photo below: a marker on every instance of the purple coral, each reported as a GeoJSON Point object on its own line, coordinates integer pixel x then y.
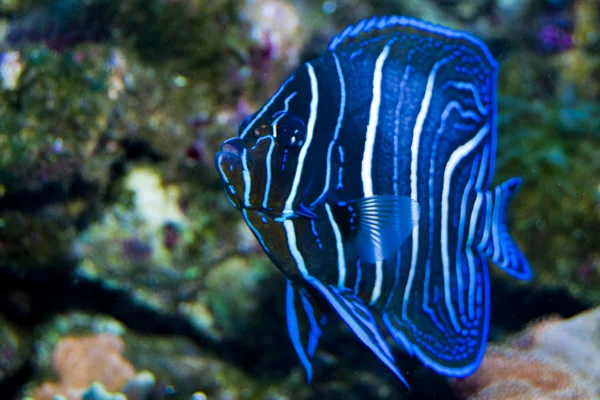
{"type": "Point", "coordinates": [555, 33]}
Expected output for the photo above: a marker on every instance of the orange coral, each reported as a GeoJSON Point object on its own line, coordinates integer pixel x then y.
{"type": "Point", "coordinates": [79, 361]}
{"type": "Point", "coordinates": [552, 359]}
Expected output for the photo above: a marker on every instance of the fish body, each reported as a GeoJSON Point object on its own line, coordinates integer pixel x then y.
{"type": "Point", "coordinates": [366, 179]}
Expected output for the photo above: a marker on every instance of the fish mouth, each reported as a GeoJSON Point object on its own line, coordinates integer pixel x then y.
{"type": "Point", "coordinates": [233, 146]}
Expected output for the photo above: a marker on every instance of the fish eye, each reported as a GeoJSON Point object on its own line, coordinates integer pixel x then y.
{"type": "Point", "coordinates": [262, 130]}
{"type": "Point", "coordinates": [289, 130]}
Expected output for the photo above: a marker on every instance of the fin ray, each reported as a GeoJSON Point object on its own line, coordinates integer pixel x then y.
{"type": "Point", "coordinates": [500, 246]}
{"type": "Point", "coordinates": [380, 225]}
{"type": "Point", "coordinates": [358, 318]}
{"type": "Point", "coordinates": [304, 342]}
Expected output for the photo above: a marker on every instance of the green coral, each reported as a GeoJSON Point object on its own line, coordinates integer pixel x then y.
{"type": "Point", "coordinates": [236, 292]}
{"type": "Point", "coordinates": [551, 144]}
{"type": "Point", "coordinates": [37, 147]}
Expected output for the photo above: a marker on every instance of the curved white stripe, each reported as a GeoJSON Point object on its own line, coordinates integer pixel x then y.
{"type": "Point", "coordinates": [286, 109]}
{"type": "Point", "coordinates": [378, 282]}
{"type": "Point", "coordinates": [222, 173]}
{"type": "Point", "coordinates": [372, 126]}
{"type": "Point", "coordinates": [451, 106]}
{"type": "Point", "coordinates": [286, 103]}
{"type": "Point", "coordinates": [367, 161]}
{"type": "Point", "coordinates": [337, 127]}
{"type": "Point", "coordinates": [488, 221]}
{"type": "Point", "coordinates": [483, 167]}
{"type": "Point", "coordinates": [496, 224]}
{"type": "Point", "coordinates": [472, 230]}
{"type": "Point", "coordinates": [458, 154]}
{"type": "Point", "coordinates": [246, 178]}
{"type": "Point", "coordinates": [339, 247]}
{"type": "Point", "coordinates": [266, 107]}
{"type": "Point", "coordinates": [414, 163]}
{"type": "Point", "coordinates": [314, 102]}
{"type": "Point", "coordinates": [269, 173]}
{"type": "Point", "coordinates": [471, 87]}
{"type": "Point", "coordinates": [288, 225]}
{"type": "Point", "coordinates": [254, 230]}
{"type": "Point", "coordinates": [462, 218]}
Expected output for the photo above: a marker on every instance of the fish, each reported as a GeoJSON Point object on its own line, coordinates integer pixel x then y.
{"type": "Point", "coordinates": [366, 178]}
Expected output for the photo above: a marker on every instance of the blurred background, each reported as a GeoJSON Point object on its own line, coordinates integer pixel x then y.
{"type": "Point", "coordinates": [122, 262]}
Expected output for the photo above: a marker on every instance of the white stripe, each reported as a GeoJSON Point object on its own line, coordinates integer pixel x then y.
{"type": "Point", "coordinates": [367, 161]}
{"type": "Point", "coordinates": [266, 107]}
{"type": "Point", "coordinates": [372, 127]}
{"type": "Point", "coordinates": [496, 224]}
{"type": "Point", "coordinates": [452, 105]}
{"type": "Point", "coordinates": [314, 102]}
{"type": "Point", "coordinates": [288, 225]}
{"type": "Point", "coordinates": [414, 149]}
{"type": "Point", "coordinates": [286, 109]}
{"type": "Point", "coordinates": [488, 220]}
{"type": "Point", "coordinates": [456, 157]}
{"type": "Point", "coordinates": [339, 247]}
{"type": "Point", "coordinates": [246, 178]}
{"type": "Point", "coordinates": [269, 173]}
{"type": "Point", "coordinates": [471, 87]}
{"type": "Point", "coordinates": [483, 167]}
{"type": "Point", "coordinates": [472, 229]}
{"type": "Point", "coordinates": [221, 172]}
{"type": "Point", "coordinates": [468, 190]}
{"type": "Point", "coordinates": [287, 101]}
{"type": "Point", "coordinates": [378, 281]}
{"type": "Point", "coordinates": [254, 230]}
{"type": "Point", "coordinates": [337, 128]}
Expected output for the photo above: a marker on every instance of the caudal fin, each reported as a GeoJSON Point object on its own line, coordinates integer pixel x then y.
{"type": "Point", "coordinates": [496, 241]}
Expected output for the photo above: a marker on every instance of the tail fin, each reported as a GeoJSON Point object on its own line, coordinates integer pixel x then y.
{"type": "Point", "coordinates": [496, 241]}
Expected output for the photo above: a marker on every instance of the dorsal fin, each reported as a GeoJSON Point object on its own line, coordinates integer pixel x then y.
{"type": "Point", "coordinates": [368, 27]}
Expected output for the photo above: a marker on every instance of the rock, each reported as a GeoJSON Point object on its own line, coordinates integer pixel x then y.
{"type": "Point", "coordinates": [236, 292]}
{"type": "Point", "coordinates": [552, 359]}
{"type": "Point", "coordinates": [14, 348]}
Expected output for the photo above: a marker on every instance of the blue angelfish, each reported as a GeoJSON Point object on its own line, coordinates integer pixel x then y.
{"type": "Point", "coordinates": [366, 179]}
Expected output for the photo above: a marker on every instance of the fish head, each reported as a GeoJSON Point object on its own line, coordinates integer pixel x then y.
{"type": "Point", "coordinates": [259, 167]}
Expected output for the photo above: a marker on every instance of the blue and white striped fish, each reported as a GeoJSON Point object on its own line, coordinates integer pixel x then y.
{"type": "Point", "coordinates": [366, 179]}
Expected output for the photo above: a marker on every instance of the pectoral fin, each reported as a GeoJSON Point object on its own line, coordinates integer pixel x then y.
{"type": "Point", "coordinates": [378, 225]}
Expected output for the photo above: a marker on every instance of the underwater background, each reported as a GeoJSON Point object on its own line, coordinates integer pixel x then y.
{"type": "Point", "coordinates": [124, 269]}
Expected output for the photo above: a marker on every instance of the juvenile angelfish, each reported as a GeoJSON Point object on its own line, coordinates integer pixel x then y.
{"type": "Point", "coordinates": [366, 179]}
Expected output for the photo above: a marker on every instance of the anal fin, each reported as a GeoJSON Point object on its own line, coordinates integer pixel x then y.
{"type": "Point", "coordinates": [359, 318]}
{"type": "Point", "coordinates": [305, 324]}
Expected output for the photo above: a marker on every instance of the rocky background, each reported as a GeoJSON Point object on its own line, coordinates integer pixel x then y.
{"type": "Point", "coordinates": [125, 272]}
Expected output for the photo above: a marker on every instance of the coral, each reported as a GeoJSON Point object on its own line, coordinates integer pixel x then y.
{"type": "Point", "coordinates": [97, 391]}
{"type": "Point", "coordinates": [50, 172]}
{"type": "Point", "coordinates": [552, 359]}
{"type": "Point", "coordinates": [79, 361]}
{"type": "Point", "coordinates": [548, 125]}
{"type": "Point", "coordinates": [235, 292]}
{"type": "Point", "coordinates": [274, 41]}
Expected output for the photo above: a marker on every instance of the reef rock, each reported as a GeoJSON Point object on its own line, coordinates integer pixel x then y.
{"type": "Point", "coordinates": [552, 359]}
